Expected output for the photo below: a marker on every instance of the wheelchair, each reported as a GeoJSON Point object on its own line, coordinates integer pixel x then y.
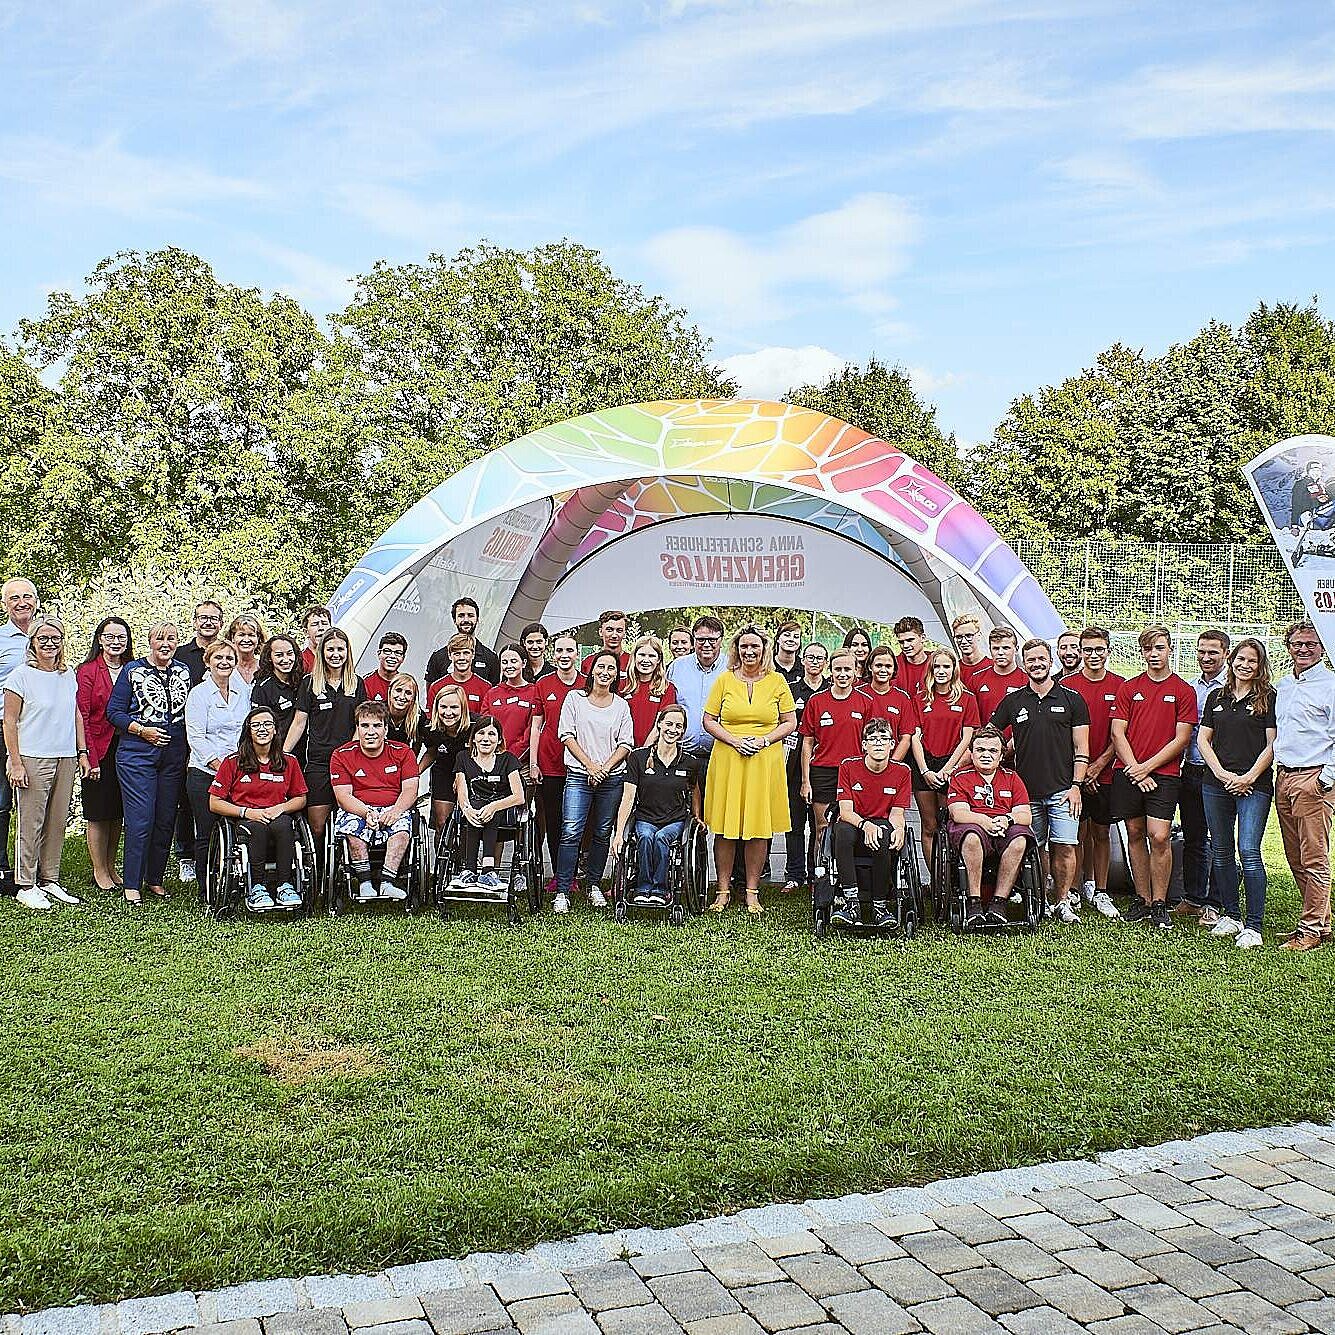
{"type": "Point", "coordinates": [339, 879]}
{"type": "Point", "coordinates": [950, 890]}
{"type": "Point", "coordinates": [229, 874]}
{"type": "Point", "coordinates": [521, 878]}
{"type": "Point", "coordinates": [687, 876]}
{"type": "Point", "coordinates": [907, 903]}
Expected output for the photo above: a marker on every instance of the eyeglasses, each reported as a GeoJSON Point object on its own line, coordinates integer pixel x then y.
{"type": "Point", "coordinates": [966, 635]}
{"type": "Point", "coordinates": [709, 639]}
{"type": "Point", "coordinates": [1305, 644]}
{"type": "Point", "coordinates": [1094, 649]}
{"type": "Point", "coordinates": [49, 641]}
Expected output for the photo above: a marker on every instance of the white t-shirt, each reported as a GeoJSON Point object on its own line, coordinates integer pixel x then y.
{"type": "Point", "coordinates": [46, 724]}
{"type": "Point", "coordinates": [597, 731]}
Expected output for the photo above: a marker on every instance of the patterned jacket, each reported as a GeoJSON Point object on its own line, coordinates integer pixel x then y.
{"type": "Point", "coordinates": [152, 696]}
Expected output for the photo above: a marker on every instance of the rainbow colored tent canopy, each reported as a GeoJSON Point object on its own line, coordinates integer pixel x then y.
{"type": "Point", "coordinates": [659, 505]}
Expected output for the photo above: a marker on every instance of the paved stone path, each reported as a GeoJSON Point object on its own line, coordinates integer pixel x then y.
{"type": "Point", "coordinates": [1231, 1232]}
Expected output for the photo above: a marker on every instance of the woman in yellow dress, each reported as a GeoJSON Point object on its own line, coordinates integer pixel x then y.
{"type": "Point", "coordinates": [749, 712]}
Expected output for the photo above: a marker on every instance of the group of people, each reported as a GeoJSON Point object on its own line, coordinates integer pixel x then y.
{"type": "Point", "coordinates": [1002, 746]}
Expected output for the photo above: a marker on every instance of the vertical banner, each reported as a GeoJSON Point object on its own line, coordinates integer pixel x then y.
{"type": "Point", "coordinates": [1294, 484]}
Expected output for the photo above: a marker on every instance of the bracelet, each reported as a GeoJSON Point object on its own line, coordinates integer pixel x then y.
{"type": "Point", "coordinates": [243, 812]}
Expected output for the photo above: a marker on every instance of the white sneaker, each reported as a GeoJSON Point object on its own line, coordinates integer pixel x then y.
{"type": "Point", "coordinates": [1226, 927]}
{"type": "Point", "coordinates": [561, 904]}
{"type": "Point", "coordinates": [388, 890]}
{"type": "Point", "coordinates": [597, 899]}
{"type": "Point", "coordinates": [1064, 911]}
{"type": "Point", "coordinates": [365, 892]}
{"type": "Point", "coordinates": [186, 871]}
{"type": "Point", "coordinates": [53, 891]}
{"type": "Point", "coordinates": [1087, 892]}
{"type": "Point", "coordinates": [1249, 939]}
{"type": "Point", "coordinates": [1103, 904]}
{"type": "Point", "coordinates": [32, 898]}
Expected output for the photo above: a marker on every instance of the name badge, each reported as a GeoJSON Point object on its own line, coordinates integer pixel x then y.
{"type": "Point", "coordinates": [680, 773]}
{"type": "Point", "coordinates": [273, 778]}
{"type": "Point", "coordinates": [326, 704]}
{"type": "Point", "coordinates": [391, 769]}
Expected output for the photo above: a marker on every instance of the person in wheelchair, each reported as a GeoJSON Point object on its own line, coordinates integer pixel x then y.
{"type": "Point", "coordinates": [661, 793]}
{"type": "Point", "coordinates": [873, 794]}
{"type": "Point", "coordinates": [990, 818]}
{"type": "Point", "coordinates": [262, 788]}
{"type": "Point", "coordinates": [375, 785]}
{"type": "Point", "coordinates": [487, 783]}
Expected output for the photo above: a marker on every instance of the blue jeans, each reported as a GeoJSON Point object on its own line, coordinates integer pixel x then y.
{"type": "Point", "coordinates": [1224, 812]}
{"type": "Point", "coordinates": [581, 803]}
{"type": "Point", "coordinates": [655, 843]}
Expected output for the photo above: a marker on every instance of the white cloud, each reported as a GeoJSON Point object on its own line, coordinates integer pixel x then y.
{"type": "Point", "coordinates": [255, 27]}
{"type": "Point", "coordinates": [317, 284]}
{"type": "Point", "coordinates": [770, 372]}
{"type": "Point", "coordinates": [853, 250]}
{"type": "Point", "coordinates": [106, 177]}
{"type": "Point", "coordinates": [928, 382]}
{"type": "Point", "coordinates": [431, 224]}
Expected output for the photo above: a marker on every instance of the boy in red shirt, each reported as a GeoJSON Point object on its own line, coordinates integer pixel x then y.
{"type": "Point", "coordinates": [314, 621]}
{"type": "Point", "coordinates": [911, 669]}
{"type": "Point", "coordinates": [831, 731]}
{"type": "Point", "coordinates": [375, 786]}
{"type": "Point", "coordinates": [1153, 718]}
{"type": "Point", "coordinates": [967, 632]}
{"type": "Point", "coordinates": [994, 683]}
{"type": "Point", "coordinates": [989, 815]}
{"type": "Point", "coordinates": [873, 795]}
{"type": "Point", "coordinates": [612, 633]}
{"type": "Point", "coordinates": [461, 649]}
{"type": "Point", "coordinates": [390, 653]}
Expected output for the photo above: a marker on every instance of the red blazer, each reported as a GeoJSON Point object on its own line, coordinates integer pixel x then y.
{"type": "Point", "coordinates": [93, 693]}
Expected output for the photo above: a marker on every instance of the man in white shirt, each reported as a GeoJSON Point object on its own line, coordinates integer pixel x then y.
{"type": "Point", "coordinates": [1305, 777]}
{"type": "Point", "coordinates": [19, 597]}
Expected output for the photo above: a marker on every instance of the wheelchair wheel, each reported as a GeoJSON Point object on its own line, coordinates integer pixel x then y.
{"type": "Point", "coordinates": [820, 921]}
{"type": "Point", "coordinates": [416, 873]}
{"type": "Point", "coordinates": [216, 885]}
{"type": "Point", "coordinates": [942, 887]}
{"type": "Point", "coordinates": [308, 880]}
{"type": "Point", "coordinates": [334, 876]}
{"type": "Point", "coordinates": [532, 867]}
{"type": "Point", "coordinates": [1034, 890]}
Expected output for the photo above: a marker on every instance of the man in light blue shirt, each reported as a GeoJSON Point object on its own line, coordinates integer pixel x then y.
{"type": "Point", "coordinates": [1305, 778]}
{"type": "Point", "coordinates": [694, 677]}
{"type": "Point", "coordinates": [1200, 894]}
{"type": "Point", "coordinates": [19, 597]}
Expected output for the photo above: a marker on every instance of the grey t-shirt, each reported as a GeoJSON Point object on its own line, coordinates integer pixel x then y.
{"type": "Point", "coordinates": [597, 731]}
{"type": "Point", "coordinates": [46, 723]}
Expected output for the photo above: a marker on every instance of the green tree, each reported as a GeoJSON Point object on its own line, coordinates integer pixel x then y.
{"type": "Point", "coordinates": [467, 353]}
{"type": "Point", "coordinates": [881, 400]}
{"type": "Point", "coordinates": [193, 427]}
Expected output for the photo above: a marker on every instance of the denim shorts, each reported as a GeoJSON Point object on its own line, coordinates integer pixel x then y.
{"type": "Point", "coordinates": [1053, 822]}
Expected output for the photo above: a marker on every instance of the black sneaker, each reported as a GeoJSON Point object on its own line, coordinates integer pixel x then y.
{"type": "Point", "coordinates": [1137, 910]}
{"type": "Point", "coordinates": [973, 913]}
{"type": "Point", "coordinates": [846, 912]}
{"type": "Point", "coordinates": [997, 915]}
{"type": "Point", "coordinates": [1161, 918]}
{"type": "Point", "coordinates": [881, 911]}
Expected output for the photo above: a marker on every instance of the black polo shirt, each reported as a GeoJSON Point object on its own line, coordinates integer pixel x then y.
{"type": "Point", "coordinates": [191, 653]}
{"type": "Point", "coordinates": [662, 792]}
{"type": "Point", "coordinates": [1238, 735]}
{"type": "Point", "coordinates": [1043, 731]}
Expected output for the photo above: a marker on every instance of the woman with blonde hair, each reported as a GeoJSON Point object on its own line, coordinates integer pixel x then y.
{"type": "Point", "coordinates": [648, 691]}
{"type": "Point", "coordinates": [248, 637]}
{"type": "Point", "coordinates": [947, 720]}
{"type": "Point", "coordinates": [444, 737]}
{"type": "Point", "coordinates": [44, 742]}
{"type": "Point", "coordinates": [147, 708]}
{"type": "Point", "coordinates": [1237, 743]}
{"type": "Point", "coordinates": [405, 712]}
{"type": "Point", "coordinates": [750, 710]}
{"type": "Point", "coordinates": [327, 703]}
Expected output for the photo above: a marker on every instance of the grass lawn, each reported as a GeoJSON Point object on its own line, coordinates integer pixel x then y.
{"type": "Point", "coordinates": [187, 1104]}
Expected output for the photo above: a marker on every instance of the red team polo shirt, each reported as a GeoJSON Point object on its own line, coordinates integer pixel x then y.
{"type": "Point", "coordinates": [549, 695]}
{"type": "Point", "coordinates": [308, 660]}
{"type": "Point", "coordinates": [874, 795]}
{"type": "Point", "coordinates": [911, 678]}
{"type": "Point", "coordinates": [257, 790]}
{"type": "Point", "coordinates": [942, 723]}
{"type": "Point", "coordinates": [836, 725]}
{"type": "Point", "coordinates": [1099, 698]}
{"type": "Point", "coordinates": [377, 687]}
{"type": "Point", "coordinates": [512, 708]}
{"type": "Point", "coordinates": [1008, 791]}
{"type": "Point", "coordinates": [970, 672]}
{"type": "Point", "coordinates": [896, 708]}
{"type": "Point", "coordinates": [1152, 710]}
{"type": "Point", "coordinates": [992, 688]}
{"type": "Point", "coordinates": [476, 689]}
{"type": "Point", "coordinates": [645, 708]}
{"type": "Point", "coordinates": [375, 780]}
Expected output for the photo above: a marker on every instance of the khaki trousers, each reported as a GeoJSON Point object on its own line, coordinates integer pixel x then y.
{"type": "Point", "coordinates": [43, 815]}
{"type": "Point", "coordinates": [1304, 821]}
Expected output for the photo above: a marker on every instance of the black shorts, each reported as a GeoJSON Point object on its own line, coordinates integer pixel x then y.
{"type": "Point", "coordinates": [319, 786]}
{"type": "Point", "coordinates": [1096, 806]}
{"type": "Point", "coordinates": [1127, 802]}
{"type": "Point", "coordinates": [824, 783]}
{"type": "Point", "coordinates": [920, 784]}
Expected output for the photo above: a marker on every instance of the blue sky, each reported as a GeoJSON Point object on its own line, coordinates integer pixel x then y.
{"type": "Point", "coordinates": [987, 192]}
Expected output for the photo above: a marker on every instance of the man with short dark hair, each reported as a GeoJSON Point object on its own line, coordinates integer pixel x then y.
{"type": "Point", "coordinates": [612, 634]}
{"type": "Point", "coordinates": [1305, 779]}
{"type": "Point", "coordinates": [390, 653]}
{"type": "Point", "coordinates": [911, 668]}
{"type": "Point", "coordinates": [1068, 654]}
{"type": "Point", "coordinates": [375, 786]}
{"type": "Point", "coordinates": [694, 677]}
{"type": "Point", "coordinates": [1050, 727]}
{"type": "Point", "coordinates": [315, 621]}
{"type": "Point", "coordinates": [1153, 718]}
{"type": "Point", "coordinates": [486, 664]}
{"type": "Point", "coordinates": [1202, 897]}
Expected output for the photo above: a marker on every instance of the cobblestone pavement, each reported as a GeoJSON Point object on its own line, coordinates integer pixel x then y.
{"type": "Point", "coordinates": [1231, 1232]}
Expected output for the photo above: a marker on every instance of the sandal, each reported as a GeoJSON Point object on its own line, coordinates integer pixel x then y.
{"type": "Point", "coordinates": [753, 904]}
{"type": "Point", "coordinates": [720, 901]}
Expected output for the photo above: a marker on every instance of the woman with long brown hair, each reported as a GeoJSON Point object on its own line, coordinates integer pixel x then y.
{"type": "Point", "coordinates": [103, 809]}
{"type": "Point", "coordinates": [947, 716]}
